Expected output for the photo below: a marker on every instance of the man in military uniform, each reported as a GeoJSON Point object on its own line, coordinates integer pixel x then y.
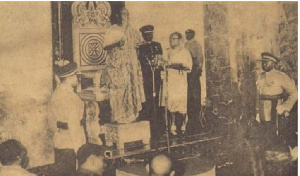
{"type": "Point", "coordinates": [277, 95]}
{"type": "Point", "coordinates": [194, 87]}
{"type": "Point", "coordinates": [149, 54]}
{"type": "Point", "coordinates": [66, 112]}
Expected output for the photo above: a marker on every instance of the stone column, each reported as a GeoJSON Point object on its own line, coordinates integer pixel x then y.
{"type": "Point", "coordinates": [216, 49]}
{"type": "Point", "coordinates": [288, 38]}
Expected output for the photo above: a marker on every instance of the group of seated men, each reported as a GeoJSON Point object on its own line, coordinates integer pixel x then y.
{"type": "Point", "coordinates": [14, 162]}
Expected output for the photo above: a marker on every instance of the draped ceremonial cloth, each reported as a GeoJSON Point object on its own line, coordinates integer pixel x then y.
{"type": "Point", "coordinates": [177, 80]}
{"type": "Point", "coordinates": [126, 90]}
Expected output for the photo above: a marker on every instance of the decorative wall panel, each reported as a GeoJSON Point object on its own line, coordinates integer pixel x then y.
{"type": "Point", "coordinates": [90, 22]}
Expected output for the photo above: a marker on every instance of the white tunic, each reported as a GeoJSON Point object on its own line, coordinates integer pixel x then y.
{"type": "Point", "coordinates": [67, 107]}
{"type": "Point", "coordinates": [275, 83]}
{"type": "Point", "coordinates": [177, 80]}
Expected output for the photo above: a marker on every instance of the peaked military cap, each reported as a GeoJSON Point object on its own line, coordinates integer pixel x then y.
{"type": "Point", "coordinates": [269, 56]}
{"type": "Point", "coordinates": [190, 31]}
{"type": "Point", "coordinates": [66, 70]}
{"type": "Point", "coordinates": [147, 29]}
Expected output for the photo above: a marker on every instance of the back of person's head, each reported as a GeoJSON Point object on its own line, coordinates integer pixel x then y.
{"type": "Point", "coordinates": [161, 165]}
{"type": "Point", "coordinates": [90, 159]}
{"type": "Point", "coordinates": [12, 152]}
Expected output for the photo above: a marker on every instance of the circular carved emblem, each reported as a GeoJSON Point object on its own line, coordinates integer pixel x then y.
{"type": "Point", "coordinates": [91, 49]}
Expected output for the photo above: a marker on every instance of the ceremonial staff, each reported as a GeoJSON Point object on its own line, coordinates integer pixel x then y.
{"type": "Point", "coordinates": [60, 50]}
{"type": "Point", "coordinates": [59, 61]}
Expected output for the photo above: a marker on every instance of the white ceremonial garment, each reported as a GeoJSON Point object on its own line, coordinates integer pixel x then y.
{"type": "Point", "coordinates": [177, 80]}
{"type": "Point", "coordinates": [275, 83]}
{"type": "Point", "coordinates": [67, 107]}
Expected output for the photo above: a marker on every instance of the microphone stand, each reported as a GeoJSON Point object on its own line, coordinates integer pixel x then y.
{"type": "Point", "coordinates": [165, 86]}
{"type": "Point", "coordinates": [155, 66]}
{"type": "Point", "coordinates": [166, 108]}
{"type": "Point", "coordinates": [153, 69]}
{"type": "Point", "coordinates": [165, 83]}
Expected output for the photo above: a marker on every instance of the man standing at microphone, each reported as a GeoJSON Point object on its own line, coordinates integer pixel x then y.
{"type": "Point", "coordinates": [149, 53]}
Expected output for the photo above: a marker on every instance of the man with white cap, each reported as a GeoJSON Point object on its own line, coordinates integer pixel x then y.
{"type": "Point", "coordinates": [66, 119]}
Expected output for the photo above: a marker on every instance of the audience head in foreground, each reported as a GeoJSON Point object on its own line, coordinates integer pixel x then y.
{"type": "Point", "coordinates": [160, 165]}
{"type": "Point", "coordinates": [14, 159]}
{"type": "Point", "coordinates": [12, 152]}
{"type": "Point", "coordinates": [90, 161]}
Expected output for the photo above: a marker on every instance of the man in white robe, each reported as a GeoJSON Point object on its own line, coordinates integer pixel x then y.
{"type": "Point", "coordinates": [180, 63]}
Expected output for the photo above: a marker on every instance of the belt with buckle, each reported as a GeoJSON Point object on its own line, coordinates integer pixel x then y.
{"type": "Point", "coordinates": [62, 125]}
{"type": "Point", "coordinates": [270, 97]}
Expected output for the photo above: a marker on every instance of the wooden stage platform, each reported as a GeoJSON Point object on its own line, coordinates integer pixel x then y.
{"type": "Point", "coordinates": [180, 148]}
{"type": "Point", "coordinates": [161, 145]}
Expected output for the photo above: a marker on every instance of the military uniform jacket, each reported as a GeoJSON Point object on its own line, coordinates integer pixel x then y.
{"type": "Point", "coordinates": [275, 84]}
{"type": "Point", "coordinates": [67, 107]}
{"type": "Point", "coordinates": [148, 50]}
{"type": "Point", "coordinates": [146, 53]}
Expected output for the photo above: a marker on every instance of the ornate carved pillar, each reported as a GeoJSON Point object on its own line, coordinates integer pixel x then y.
{"type": "Point", "coordinates": [288, 38]}
{"type": "Point", "coordinates": [216, 47]}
